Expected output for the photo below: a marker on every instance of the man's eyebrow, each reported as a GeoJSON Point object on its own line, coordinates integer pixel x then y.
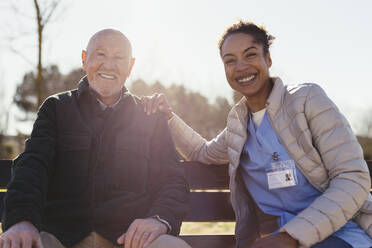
{"type": "Point", "coordinates": [245, 50]}
{"type": "Point", "coordinates": [227, 54]}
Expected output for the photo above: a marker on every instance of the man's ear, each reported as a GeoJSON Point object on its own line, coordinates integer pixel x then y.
{"type": "Point", "coordinates": [131, 66]}
{"type": "Point", "coordinates": [83, 59]}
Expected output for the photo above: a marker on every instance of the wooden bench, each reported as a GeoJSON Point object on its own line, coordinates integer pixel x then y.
{"type": "Point", "coordinates": [209, 200]}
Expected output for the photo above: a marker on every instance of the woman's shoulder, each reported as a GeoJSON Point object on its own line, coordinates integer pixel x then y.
{"type": "Point", "coordinates": [303, 88]}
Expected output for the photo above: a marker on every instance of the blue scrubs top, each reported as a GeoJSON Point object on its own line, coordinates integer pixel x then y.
{"type": "Point", "coordinates": [287, 202]}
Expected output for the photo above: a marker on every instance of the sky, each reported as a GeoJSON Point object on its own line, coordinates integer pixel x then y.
{"type": "Point", "coordinates": [327, 42]}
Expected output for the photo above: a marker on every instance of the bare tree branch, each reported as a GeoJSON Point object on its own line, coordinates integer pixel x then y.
{"type": "Point", "coordinates": [44, 11]}
{"type": "Point", "coordinates": [15, 51]}
{"type": "Point", "coordinates": [16, 10]}
{"type": "Point", "coordinates": [51, 11]}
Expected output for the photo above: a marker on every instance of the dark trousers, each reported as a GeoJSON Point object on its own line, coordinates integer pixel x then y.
{"type": "Point", "coordinates": [332, 242]}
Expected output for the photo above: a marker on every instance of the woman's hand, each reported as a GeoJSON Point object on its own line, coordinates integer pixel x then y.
{"type": "Point", "coordinates": [155, 103]}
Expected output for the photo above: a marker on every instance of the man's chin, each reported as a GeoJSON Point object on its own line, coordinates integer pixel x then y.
{"type": "Point", "coordinates": [106, 93]}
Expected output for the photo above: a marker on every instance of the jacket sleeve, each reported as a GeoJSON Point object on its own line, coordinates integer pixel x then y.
{"type": "Point", "coordinates": [30, 172]}
{"type": "Point", "coordinates": [170, 195]}
{"type": "Point", "coordinates": [193, 147]}
{"type": "Point", "coordinates": [349, 180]}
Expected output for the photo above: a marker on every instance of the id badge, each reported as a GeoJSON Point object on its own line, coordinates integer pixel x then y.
{"type": "Point", "coordinates": [281, 174]}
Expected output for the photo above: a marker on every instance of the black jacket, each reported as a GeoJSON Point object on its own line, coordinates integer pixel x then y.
{"type": "Point", "coordinates": [87, 170]}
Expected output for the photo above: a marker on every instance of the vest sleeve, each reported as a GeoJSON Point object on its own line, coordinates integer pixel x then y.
{"type": "Point", "coordinates": [26, 193]}
{"type": "Point", "coordinates": [170, 192]}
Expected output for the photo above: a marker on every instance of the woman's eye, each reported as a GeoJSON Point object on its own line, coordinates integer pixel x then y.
{"type": "Point", "coordinates": [100, 54]}
{"type": "Point", "coordinates": [249, 55]}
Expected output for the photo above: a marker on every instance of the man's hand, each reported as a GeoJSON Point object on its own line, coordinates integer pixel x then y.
{"type": "Point", "coordinates": [280, 240]}
{"type": "Point", "coordinates": [21, 235]}
{"type": "Point", "coordinates": [155, 103]}
{"type": "Point", "coordinates": [142, 232]}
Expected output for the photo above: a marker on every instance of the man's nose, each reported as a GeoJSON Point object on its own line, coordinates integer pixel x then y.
{"type": "Point", "coordinates": [108, 63]}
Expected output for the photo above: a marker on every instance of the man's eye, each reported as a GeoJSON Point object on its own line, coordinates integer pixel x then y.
{"type": "Point", "coordinates": [229, 62]}
{"type": "Point", "coordinates": [249, 55]}
{"type": "Point", "coordinates": [100, 54]}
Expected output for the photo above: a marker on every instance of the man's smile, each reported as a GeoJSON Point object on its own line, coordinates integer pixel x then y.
{"type": "Point", "coordinates": [106, 76]}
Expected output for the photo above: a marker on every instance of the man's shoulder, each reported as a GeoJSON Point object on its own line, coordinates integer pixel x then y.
{"type": "Point", "coordinates": [139, 108]}
{"type": "Point", "coordinates": [63, 96]}
{"type": "Point", "coordinates": [58, 99]}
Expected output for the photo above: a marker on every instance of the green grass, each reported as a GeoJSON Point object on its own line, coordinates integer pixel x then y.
{"type": "Point", "coordinates": [189, 228]}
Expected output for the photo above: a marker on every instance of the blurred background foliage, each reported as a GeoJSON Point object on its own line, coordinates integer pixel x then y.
{"type": "Point", "coordinates": [195, 109]}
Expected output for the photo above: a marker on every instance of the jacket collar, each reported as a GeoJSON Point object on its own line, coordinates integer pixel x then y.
{"type": "Point", "coordinates": [276, 97]}
{"type": "Point", "coordinates": [83, 89]}
{"type": "Point", "coordinates": [273, 104]}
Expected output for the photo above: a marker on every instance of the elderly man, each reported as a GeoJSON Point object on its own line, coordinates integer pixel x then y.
{"type": "Point", "coordinates": [96, 171]}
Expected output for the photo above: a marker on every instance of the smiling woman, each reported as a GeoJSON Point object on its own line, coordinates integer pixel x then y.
{"type": "Point", "coordinates": [292, 155]}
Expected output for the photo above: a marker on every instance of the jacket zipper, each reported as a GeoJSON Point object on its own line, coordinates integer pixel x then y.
{"type": "Point", "coordinates": [94, 169]}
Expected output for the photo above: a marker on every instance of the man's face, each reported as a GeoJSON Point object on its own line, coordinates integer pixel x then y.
{"type": "Point", "coordinates": [246, 65]}
{"type": "Point", "coordinates": [108, 63]}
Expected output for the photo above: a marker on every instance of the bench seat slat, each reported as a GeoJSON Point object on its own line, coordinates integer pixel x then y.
{"type": "Point", "coordinates": [210, 206]}
{"type": "Point", "coordinates": [209, 241]}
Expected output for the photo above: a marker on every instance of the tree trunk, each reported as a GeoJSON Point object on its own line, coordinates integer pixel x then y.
{"type": "Point", "coordinates": [39, 77]}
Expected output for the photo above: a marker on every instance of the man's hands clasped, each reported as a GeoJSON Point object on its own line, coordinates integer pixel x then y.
{"type": "Point", "coordinates": [142, 232]}
{"type": "Point", "coordinates": [21, 235]}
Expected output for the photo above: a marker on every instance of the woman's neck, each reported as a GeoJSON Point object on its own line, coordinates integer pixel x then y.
{"type": "Point", "coordinates": [258, 102]}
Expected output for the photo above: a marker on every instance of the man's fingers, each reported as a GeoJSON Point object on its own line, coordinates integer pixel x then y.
{"type": "Point", "coordinates": [26, 242]}
{"type": "Point", "coordinates": [7, 243]}
{"type": "Point", "coordinates": [16, 242]}
{"type": "Point", "coordinates": [39, 244]}
{"type": "Point", "coordinates": [143, 239]}
{"type": "Point", "coordinates": [121, 239]}
{"type": "Point", "coordinates": [129, 235]}
{"type": "Point", "coordinates": [152, 237]}
{"type": "Point", "coordinates": [136, 240]}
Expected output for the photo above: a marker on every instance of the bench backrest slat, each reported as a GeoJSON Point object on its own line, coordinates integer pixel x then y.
{"type": "Point", "coordinates": [202, 176]}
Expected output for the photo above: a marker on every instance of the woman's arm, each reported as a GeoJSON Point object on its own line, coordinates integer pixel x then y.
{"type": "Point", "coordinates": [193, 147]}
{"type": "Point", "coordinates": [188, 142]}
{"type": "Point", "coordinates": [342, 156]}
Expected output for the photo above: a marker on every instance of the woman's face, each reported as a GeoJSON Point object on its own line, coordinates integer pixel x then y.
{"type": "Point", "coordinates": [246, 65]}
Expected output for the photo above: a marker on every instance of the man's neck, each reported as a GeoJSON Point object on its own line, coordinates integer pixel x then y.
{"type": "Point", "coordinates": [111, 100]}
